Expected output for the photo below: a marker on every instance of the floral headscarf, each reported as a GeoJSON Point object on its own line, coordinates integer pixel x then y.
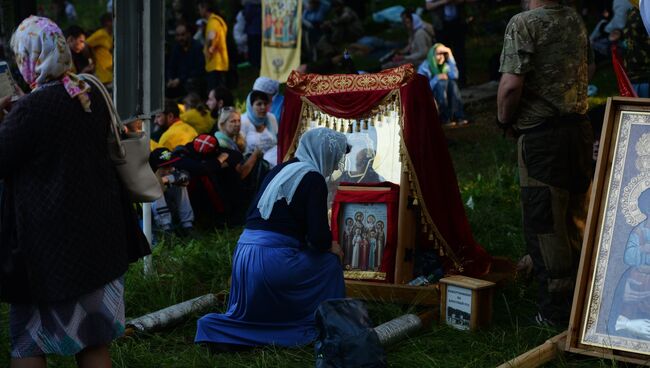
{"type": "Point", "coordinates": [43, 56]}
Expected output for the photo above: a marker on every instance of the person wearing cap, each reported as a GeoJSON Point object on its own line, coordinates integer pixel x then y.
{"type": "Point", "coordinates": [176, 132]}
{"type": "Point", "coordinates": [272, 88]}
{"type": "Point", "coordinates": [259, 127]}
{"type": "Point", "coordinates": [176, 198]}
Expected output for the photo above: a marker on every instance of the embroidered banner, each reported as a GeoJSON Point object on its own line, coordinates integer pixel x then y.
{"type": "Point", "coordinates": [281, 38]}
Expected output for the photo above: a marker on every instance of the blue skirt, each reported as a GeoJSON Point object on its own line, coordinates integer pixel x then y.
{"type": "Point", "coordinates": [276, 288]}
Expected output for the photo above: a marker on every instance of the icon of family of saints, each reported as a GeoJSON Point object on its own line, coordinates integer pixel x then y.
{"type": "Point", "coordinates": [363, 241]}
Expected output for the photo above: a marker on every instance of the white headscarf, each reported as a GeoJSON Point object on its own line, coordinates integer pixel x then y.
{"type": "Point", "coordinates": [319, 150]}
{"type": "Point", "coordinates": [267, 85]}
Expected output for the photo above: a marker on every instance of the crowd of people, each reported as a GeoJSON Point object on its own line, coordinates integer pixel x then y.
{"type": "Point", "coordinates": [220, 165]}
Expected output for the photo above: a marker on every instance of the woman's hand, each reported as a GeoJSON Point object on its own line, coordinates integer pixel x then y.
{"type": "Point", "coordinates": [337, 250]}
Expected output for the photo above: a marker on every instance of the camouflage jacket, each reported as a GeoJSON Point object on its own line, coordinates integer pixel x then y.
{"type": "Point", "coordinates": [550, 46]}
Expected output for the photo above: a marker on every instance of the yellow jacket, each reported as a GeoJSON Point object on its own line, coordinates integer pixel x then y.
{"type": "Point", "coordinates": [201, 123]}
{"type": "Point", "coordinates": [177, 134]}
{"type": "Point", "coordinates": [101, 43]}
{"type": "Point", "coordinates": [215, 38]}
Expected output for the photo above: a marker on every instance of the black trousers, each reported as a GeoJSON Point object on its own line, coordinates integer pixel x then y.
{"type": "Point", "coordinates": [555, 172]}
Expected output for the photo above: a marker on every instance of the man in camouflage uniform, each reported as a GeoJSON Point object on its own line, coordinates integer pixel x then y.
{"type": "Point", "coordinates": [542, 96]}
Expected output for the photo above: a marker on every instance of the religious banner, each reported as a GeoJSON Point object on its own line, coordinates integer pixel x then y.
{"type": "Point", "coordinates": [281, 38]}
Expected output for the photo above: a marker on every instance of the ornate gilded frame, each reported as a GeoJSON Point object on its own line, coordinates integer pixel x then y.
{"type": "Point", "coordinates": [622, 173]}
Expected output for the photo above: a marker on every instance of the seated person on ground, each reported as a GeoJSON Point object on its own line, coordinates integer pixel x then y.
{"type": "Point", "coordinates": [285, 263]}
{"type": "Point", "coordinates": [272, 88]}
{"type": "Point", "coordinates": [176, 132]}
{"type": "Point", "coordinates": [313, 17]}
{"type": "Point", "coordinates": [344, 27]}
{"type": "Point", "coordinates": [216, 178]}
{"type": "Point", "coordinates": [186, 65]}
{"type": "Point", "coordinates": [440, 67]}
{"type": "Point", "coordinates": [218, 98]}
{"type": "Point", "coordinates": [606, 34]}
{"type": "Point", "coordinates": [197, 114]}
{"type": "Point", "coordinates": [421, 37]}
{"type": "Point", "coordinates": [82, 58]}
{"type": "Point", "coordinates": [259, 127]}
{"type": "Point", "coordinates": [175, 202]}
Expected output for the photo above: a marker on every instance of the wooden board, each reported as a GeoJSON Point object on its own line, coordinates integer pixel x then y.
{"type": "Point", "coordinates": [540, 355]}
{"type": "Point", "coordinates": [406, 235]}
{"type": "Point", "coordinates": [392, 293]}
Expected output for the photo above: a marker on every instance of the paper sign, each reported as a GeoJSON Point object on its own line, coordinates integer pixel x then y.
{"type": "Point", "coordinates": [459, 306]}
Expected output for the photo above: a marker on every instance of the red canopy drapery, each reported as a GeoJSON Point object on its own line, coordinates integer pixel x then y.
{"type": "Point", "coordinates": [425, 154]}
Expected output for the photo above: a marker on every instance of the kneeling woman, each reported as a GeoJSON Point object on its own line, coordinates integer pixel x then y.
{"type": "Point", "coordinates": [285, 263]}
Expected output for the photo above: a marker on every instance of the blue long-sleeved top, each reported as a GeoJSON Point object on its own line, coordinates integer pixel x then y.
{"type": "Point", "coordinates": [433, 79]}
{"type": "Point", "coordinates": [305, 219]}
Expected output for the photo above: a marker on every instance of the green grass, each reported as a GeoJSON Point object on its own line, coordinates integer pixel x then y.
{"type": "Point", "coordinates": [485, 164]}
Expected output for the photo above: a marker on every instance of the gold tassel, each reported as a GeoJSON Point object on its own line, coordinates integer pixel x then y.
{"type": "Point", "coordinates": [358, 126]}
{"type": "Point", "coordinates": [441, 251]}
{"type": "Point", "coordinates": [349, 128]}
{"type": "Point", "coordinates": [416, 202]}
{"type": "Point", "coordinates": [365, 124]}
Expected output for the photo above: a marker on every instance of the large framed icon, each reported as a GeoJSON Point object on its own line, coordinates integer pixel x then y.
{"type": "Point", "coordinates": [364, 222]}
{"type": "Point", "coordinates": [611, 310]}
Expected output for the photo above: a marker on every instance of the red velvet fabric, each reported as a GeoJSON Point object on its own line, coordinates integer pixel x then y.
{"type": "Point", "coordinates": [427, 148]}
{"type": "Point", "coordinates": [347, 105]}
{"type": "Point", "coordinates": [391, 198]}
{"type": "Point", "coordinates": [624, 84]}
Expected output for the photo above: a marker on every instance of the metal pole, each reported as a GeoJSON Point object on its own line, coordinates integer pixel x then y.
{"type": "Point", "coordinates": [146, 108]}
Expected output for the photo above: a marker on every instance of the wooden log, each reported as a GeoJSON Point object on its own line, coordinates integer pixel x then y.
{"type": "Point", "coordinates": [540, 355]}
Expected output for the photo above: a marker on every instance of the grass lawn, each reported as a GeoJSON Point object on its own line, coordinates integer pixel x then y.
{"type": "Point", "coordinates": [485, 163]}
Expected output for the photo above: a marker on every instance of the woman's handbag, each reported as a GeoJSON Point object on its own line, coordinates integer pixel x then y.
{"type": "Point", "coordinates": [129, 153]}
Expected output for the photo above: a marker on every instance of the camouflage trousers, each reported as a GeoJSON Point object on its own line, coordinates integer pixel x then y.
{"type": "Point", "coordinates": [555, 170]}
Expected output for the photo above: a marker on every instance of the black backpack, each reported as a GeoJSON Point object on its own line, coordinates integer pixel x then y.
{"type": "Point", "coordinates": [346, 336]}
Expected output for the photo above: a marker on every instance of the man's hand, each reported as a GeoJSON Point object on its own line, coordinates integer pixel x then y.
{"type": "Point", "coordinates": [443, 76]}
{"type": "Point", "coordinates": [5, 103]}
{"type": "Point", "coordinates": [336, 249]}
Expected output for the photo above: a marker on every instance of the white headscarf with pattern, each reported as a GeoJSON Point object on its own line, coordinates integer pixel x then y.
{"type": "Point", "coordinates": [319, 150]}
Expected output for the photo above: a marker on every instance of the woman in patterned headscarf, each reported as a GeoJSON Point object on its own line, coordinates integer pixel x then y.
{"type": "Point", "coordinates": [283, 267]}
{"type": "Point", "coordinates": [68, 231]}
